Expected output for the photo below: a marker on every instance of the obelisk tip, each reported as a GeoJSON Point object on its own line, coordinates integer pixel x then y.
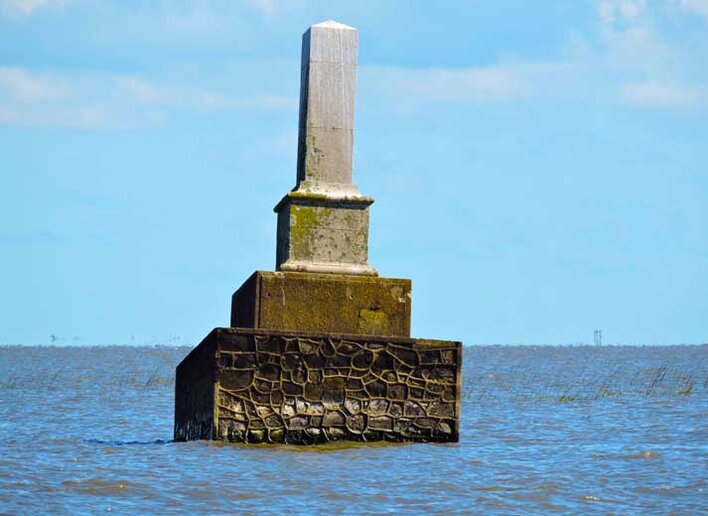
{"type": "Point", "coordinates": [331, 24]}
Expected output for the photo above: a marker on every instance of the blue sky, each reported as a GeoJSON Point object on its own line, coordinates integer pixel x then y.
{"type": "Point", "coordinates": [540, 169]}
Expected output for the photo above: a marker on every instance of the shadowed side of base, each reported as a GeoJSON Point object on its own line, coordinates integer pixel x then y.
{"type": "Point", "coordinates": [254, 386]}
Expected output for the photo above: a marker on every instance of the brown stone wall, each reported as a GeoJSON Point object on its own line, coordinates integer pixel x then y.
{"type": "Point", "coordinates": [296, 301]}
{"type": "Point", "coordinates": [298, 388]}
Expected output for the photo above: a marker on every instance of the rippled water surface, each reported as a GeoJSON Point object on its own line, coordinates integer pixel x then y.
{"type": "Point", "coordinates": [576, 429]}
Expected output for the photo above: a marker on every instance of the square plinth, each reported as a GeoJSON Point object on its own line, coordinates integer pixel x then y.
{"type": "Point", "coordinates": [334, 303]}
{"type": "Point", "coordinates": [259, 386]}
{"type": "Point", "coordinates": [323, 233]}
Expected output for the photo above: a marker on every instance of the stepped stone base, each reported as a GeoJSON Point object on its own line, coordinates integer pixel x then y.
{"type": "Point", "coordinates": [340, 303]}
{"type": "Point", "coordinates": [255, 385]}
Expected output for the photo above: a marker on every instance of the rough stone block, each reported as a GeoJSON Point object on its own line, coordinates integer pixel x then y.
{"type": "Point", "coordinates": [255, 386]}
{"type": "Point", "coordinates": [293, 301]}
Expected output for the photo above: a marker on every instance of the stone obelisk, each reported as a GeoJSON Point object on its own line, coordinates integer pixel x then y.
{"type": "Point", "coordinates": [323, 223]}
{"type": "Point", "coordinates": [320, 349]}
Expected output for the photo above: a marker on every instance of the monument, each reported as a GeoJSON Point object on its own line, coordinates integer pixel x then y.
{"type": "Point", "coordinates": [320, 349]}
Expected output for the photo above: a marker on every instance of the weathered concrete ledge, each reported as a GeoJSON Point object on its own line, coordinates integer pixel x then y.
{"type": "Point", "coordinates": [253, 386]}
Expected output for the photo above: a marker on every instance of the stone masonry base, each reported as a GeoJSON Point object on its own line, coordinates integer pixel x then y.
{"type": "Point", "coordinates": [253, 386]}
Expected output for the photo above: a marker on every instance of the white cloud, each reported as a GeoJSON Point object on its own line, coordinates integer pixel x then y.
{"type": "Point", "coordinates": [624, 57]}
{"type": "Point", "coordinates": [28, 7]}
{"type": "Point", "coordinates": [83, 117]}
{"type": "Point", "coordinates": [142, 91]}
{"type": "Point", "coordinates": [626, 60]}
{"type": "Point", "coordinates": [478, 84]}
{"type": "Point", "coordinates": [186, 97]}
{"type": "Point", "coordinates": [614, 11]}
{"type": "Point", "coordinates": [699, 7]}
{"type": "Point", "coordinates": [481, 84]}
{"type": "Point", "coordinates": [629, 37]}
{"type": "Point", "coordinates": [644, 63]}
{"type": "Point", "coordinates": [167, 16]}
{"type": "Point", "coordinates": [24, 86]}
{"type": "Point", "coordinates": [97, 100]}
{"type": "Point", "coordinates": [659, 94]}
{"type": "Point", "coordinates": [266, 7]}
{"type": "Point", "coordinates": [579, 77]}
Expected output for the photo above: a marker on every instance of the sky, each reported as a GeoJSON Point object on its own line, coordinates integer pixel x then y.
{"type": "Point", "coordinates": [540, 169]}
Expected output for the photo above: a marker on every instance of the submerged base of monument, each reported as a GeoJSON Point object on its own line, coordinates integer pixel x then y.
{"type": "Point", "coordinates": [264, 386]}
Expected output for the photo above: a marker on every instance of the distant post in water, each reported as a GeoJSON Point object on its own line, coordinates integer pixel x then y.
{"type": "Point", "coordinates": [320, 350]}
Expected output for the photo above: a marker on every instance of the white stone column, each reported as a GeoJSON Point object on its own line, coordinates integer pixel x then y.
{"type": "Point", "coordinates": [323, 223]}
{"type": "Point", "coordinates": [327, 89]}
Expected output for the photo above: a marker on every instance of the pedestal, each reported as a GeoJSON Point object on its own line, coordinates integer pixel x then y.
{"type": "Point", "coordinates": [338, 303]}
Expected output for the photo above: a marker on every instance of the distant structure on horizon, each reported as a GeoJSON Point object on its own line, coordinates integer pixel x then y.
{"type": "Point", "coordinates": [597, 337]}
{"type": "Point", "coordinates": [320, 350]}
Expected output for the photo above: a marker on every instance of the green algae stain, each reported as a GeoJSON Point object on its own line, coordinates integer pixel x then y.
{"type": "Point", "coordinates": [328, 233]}
{"type": "Point", "coordinates": [373, 322]}
{"type": "Point", "coordinates": [304, 216]}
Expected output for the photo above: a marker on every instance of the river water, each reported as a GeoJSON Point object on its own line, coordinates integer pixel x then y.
{"type": "Point", "coordinates": [544, 429]}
